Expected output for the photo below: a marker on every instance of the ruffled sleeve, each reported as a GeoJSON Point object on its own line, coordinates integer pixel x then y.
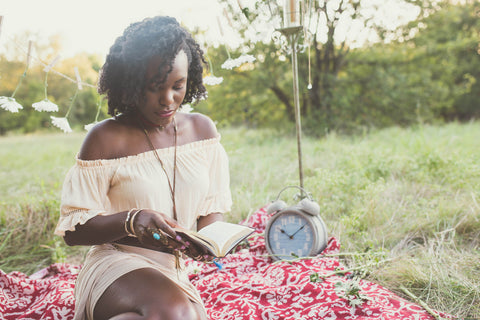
{"type": "Point", "coordinates": [84, 194]}
{"type": "Point", "coordinates": [219, 197]}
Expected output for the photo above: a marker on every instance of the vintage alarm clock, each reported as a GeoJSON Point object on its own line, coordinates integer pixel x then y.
{"type": "Point", "coordinates": [295, 231]}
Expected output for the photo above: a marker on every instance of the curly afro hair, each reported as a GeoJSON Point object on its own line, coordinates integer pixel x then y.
{"type": "Point", "coordinates": [122, 77]}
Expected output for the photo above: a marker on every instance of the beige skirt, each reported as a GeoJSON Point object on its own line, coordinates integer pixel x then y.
{"type": "Point", "coordinates": [106, 263]}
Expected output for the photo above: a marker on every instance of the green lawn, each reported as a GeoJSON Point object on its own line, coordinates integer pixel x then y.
{"type": "Point", "coordinates": [404, 203]}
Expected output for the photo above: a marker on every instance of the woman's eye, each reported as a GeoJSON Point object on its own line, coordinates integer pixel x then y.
{"type": "Point", "coordinates": [153, 88]}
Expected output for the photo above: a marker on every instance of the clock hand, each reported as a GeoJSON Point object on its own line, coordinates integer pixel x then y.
{"type": "Point", "coordinates": [291, 237]}
{"type": "Point", "coordinates": [283, 231]}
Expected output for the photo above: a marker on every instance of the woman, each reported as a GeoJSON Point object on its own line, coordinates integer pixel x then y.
{"type": "Point", "coordinates": [142, 173]}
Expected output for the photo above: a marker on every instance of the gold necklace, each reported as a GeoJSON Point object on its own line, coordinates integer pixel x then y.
{"type": "Point", "coordinates": [170, 185]}
{"type": "Point", "coordinates": [176, 253]}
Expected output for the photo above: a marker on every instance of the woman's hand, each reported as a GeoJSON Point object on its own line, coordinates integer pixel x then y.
{"type": "Point", "coordinates": [197, 253]}
{"type": "Point", "coordinates": [155, 229]}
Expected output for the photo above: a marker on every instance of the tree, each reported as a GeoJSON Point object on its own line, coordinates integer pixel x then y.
{"type": "Point", "coordinates": [331, 28]}
{"type": "Point", "coordinates": [426, 69]}
{"type": "Point", "coordinates": [430, 73]}
{"type": "Point", "coordinates": [448, 44]}
{"type": "Point", "coordinates": [242, 97]}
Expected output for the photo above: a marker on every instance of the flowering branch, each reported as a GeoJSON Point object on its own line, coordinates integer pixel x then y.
{"type": "Point", "coordinates": [234, 63]}
{"type": "Point", "coordinates": [211, 80]}
{"type": "Point", "coordinates": [62, 122]}
{"type": "Point", "coordinates": [91, 125]}
{"type": "Point", "coordinates": [45, 104]}
{"type": "Point", "coordinates": [9, 103]}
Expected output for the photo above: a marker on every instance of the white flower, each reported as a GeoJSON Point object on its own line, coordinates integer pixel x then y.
{"type": "Point", "coordinates": [45, 105]}
{"type": "Point", "coordinates": [61, 123]}
{"type": "Point", "coordinates": [212, 80]}
{"type": "Point", "coordinates": [229, 64]}
{"type": "Point", "coordinates": [186, 108]}
{"type": "Point", "coordinates": [247, 58]}
{"type": "Point", "coordinates": [233, 63]}
{"type": "Point", "coordinates": [90, 125]}
{"type": "Point", "coordinates": [10, 104]}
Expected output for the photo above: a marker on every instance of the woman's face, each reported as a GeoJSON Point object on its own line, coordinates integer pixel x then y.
{"type": "Point", "coordinates": [162, 99]}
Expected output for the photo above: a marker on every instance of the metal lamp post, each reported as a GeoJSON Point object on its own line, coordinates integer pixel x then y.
{"type": "Point", "coordinates": [291, 30]}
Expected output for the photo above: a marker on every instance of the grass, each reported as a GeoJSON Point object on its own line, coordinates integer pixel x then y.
{"type": "Point", "coordinates": [411, 196]}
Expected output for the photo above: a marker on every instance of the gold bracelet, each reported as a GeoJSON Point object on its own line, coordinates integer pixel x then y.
{"type": "Point", "coordinates": [127, 221]}
{"type": "Point", "coordinates": [131, 222]}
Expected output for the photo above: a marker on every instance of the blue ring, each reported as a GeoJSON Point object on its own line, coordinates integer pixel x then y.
{"type": "Point", "coordinates": [156, 236]}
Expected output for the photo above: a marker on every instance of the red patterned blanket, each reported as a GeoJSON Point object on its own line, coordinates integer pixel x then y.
{"type": "Point", "coordinates": [248, 286]}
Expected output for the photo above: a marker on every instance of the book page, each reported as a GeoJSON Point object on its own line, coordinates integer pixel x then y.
{"type": "Point", "coordinates": [225, 234]}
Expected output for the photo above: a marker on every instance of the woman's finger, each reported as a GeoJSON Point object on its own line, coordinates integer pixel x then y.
{"type": "Point", "coordinates": [161, 238]}
{"type": "Point", "coordinates": [147, 220]}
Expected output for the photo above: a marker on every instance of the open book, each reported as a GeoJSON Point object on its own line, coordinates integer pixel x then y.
{"type": "Point", "coordinates": [218, 238]}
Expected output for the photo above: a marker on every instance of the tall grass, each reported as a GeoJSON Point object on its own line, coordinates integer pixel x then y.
{"type": "Point", "coordinates": [412, 195]}
{"type": "Point", "coordinates": [31, 176]}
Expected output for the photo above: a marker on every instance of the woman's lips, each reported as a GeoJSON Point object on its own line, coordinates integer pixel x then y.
{"type": "Point", "coordinates": [165, 114]}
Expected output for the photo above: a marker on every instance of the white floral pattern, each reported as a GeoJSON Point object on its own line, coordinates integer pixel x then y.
{"type": "Point", "coordinates": [249, 286]}
{"type": "Point", "coordinates": [47, 294]}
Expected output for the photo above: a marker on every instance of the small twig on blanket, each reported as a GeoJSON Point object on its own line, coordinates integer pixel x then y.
{"type": "Point", "coordinates": [351, 291]}
{"type": "Point", "coordinates": [315, 277]}
{"type": "Point", "coordinates": [286, 260]}
{"type": "Point", "coordinates": [420, 302]}
{"type": "Point", "coordinates": [330, 255]}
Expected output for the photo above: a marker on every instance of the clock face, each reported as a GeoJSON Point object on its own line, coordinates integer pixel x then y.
{"type": "Point", "coordinates": [290, 235]}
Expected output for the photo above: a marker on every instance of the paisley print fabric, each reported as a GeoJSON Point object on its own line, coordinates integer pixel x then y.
{"type": "Point", "coordinates": [249, 285]}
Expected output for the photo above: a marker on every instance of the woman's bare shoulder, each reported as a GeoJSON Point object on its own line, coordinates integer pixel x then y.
{"type": "Point", "coordinates": [203, 126]}
{"type": "Point", "coordinates": [104, 140]}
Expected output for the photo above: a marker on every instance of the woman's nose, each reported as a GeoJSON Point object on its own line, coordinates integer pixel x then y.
{"type": "Point", "coordinates": [167, 98]}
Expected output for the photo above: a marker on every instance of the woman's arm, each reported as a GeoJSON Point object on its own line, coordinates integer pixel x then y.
{"type": "Point", "coordinates": [111, 228]}
{"type": "Point", "coordinates": [98, 230]}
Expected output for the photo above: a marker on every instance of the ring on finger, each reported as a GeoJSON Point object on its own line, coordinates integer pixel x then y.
{"type": "Point", "coordinates": [160, 236]}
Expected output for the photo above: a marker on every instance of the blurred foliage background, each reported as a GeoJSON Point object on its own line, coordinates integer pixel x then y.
{"type": "Point", "coordinates": [424, 71]}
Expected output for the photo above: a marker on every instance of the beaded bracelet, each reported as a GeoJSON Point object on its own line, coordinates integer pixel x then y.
{"type": "Point", "coordinates": [131, 221]}
{"type": "Point", "coordinates": [127, 221]}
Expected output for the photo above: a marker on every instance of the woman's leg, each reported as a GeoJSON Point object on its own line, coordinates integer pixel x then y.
{"type": "Point", "coordinates": [146, 294]}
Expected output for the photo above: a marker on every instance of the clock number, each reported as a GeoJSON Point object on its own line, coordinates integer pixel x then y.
{"type": "Point", "coordinates": [291, 219]}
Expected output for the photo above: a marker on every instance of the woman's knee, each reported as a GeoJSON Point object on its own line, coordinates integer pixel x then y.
{"type": "Point", "coordinates": [175, 310]}
{"type": "Point", "coordinates": [148, 293]}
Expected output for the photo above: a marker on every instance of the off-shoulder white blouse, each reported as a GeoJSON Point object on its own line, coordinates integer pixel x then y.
{"type": "Point", "coordinates": [103, 187]}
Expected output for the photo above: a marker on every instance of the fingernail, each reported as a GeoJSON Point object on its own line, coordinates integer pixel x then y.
{"type": "Point", "coordinates": [187, 243]}
{"type": "Point", "coordinates": [178, 238]}
{"type": "Point", "coordinates": [183, 248]}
